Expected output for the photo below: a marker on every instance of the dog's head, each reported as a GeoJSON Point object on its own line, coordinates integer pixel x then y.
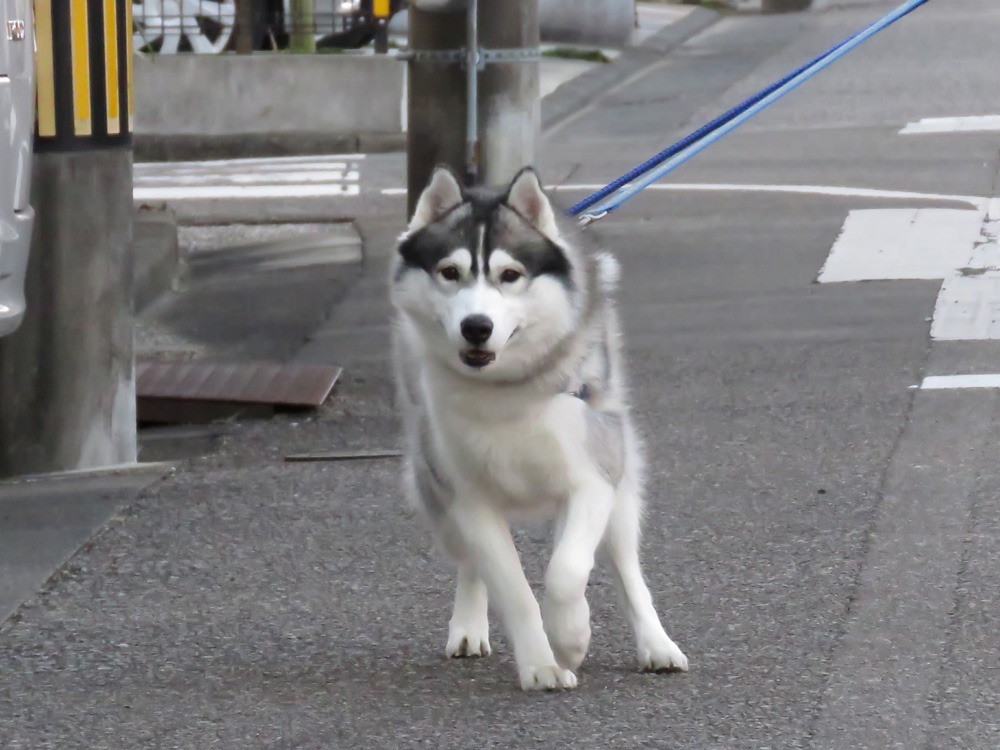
{"type": "Point", "coordinates": [486, 277]}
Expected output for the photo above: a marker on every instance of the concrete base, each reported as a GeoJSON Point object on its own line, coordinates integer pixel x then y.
{"type": "Point", "coordinates": [744, 6]}
{"type": "Point", "coordinates": [602, 22]}
{"type": "Point", "coordinates": [67, 380]}
{"type": "Point", "coordinates": [48, 518]}
{"type": "Point", "coordinates": [279, 102]}
{"type": "Point", "coordinates": [156, 254]}
{"type": "Point", "coordinates": [785, 6]}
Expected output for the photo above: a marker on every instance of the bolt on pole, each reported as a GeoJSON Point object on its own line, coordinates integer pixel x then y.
{"type": "Point", "coordinates": [67, 375]}
{"type": "Point", "coordinates": [483, 120]}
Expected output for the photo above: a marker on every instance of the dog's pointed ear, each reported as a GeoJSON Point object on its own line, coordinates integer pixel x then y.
{"type": "Point", "coordinates": [441, 195]}
{"type": "Point", "coordinates": [526, 196]}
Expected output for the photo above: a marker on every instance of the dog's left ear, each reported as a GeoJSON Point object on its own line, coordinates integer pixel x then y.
{"type": "Point", "coordinates": [526, 196]}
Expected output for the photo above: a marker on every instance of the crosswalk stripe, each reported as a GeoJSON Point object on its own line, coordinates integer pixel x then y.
{"type": "Point", "coordinates": [214, 192]}
{"type": "Point", "coordinates": [979, 124]}
{"type": "Point", "coordinates": [335, 175]}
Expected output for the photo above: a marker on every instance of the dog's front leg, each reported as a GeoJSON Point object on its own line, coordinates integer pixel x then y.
{"type": "Point", "coordinates": [565, 609]}
{"type": "Point", "coordinates": [488, 539]}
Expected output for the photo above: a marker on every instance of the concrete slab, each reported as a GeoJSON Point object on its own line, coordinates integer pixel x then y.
{"type": "Point", "coordinates": [45, 520]}
{"type": "Point", "coordinates": [893, 652]}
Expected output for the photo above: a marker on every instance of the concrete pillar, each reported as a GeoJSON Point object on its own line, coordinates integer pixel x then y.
{"type": "Point", "coordinates": [600, 22]}
{"type": "Point", "coordinates": [67, 377]}
{"type": "Point", "coordinates": [436, 98]}
{"type": "Point", "coordinates": [509, 106]}
{"type": "Point", "coordinates": [509, 100]}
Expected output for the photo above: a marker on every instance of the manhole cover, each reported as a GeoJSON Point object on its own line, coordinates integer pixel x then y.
{"type": "Point", "coordinates": [193, 392]}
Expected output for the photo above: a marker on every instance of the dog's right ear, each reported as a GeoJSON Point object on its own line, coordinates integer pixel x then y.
{"type": "Point", "coordinates": [441, 195]}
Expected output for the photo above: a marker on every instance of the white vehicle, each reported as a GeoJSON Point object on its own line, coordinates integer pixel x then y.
{"type": "Point", "coordinates": [17, 127]}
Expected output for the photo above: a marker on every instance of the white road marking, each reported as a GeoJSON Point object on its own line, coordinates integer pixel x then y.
{"type": "Point", "coordinates": [981, 124]}
{"type": "Point", "coordinates": [961, 247]}
{"type": "Point", "coordinates": [829, 190]}
{"type": "Point", "coordinates": [948, 382]}
{"type": "Point", "coordinates": [968, 309]}
{"type": "Point", "coordinates": [156, 166]}
{"type": "Point", "coordinates": [210, 192]}
{"type": "Point", "coordinates": [903, 243]}
{"type": "Point", "coordinates": [250, 178]}
{"type": "Point", "coordinates": [327, 176]}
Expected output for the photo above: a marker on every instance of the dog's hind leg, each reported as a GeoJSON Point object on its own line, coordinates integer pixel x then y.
{"type": "Point", "coordinates": [469, 628]}
{"type": "Point", "coordinates": [656, 652]}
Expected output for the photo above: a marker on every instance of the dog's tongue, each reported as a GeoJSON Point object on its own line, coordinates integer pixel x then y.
{"type": "Point", "coordinates": [477, 357]}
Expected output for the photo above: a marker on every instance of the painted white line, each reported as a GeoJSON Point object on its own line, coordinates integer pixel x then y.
{"type": "Point", "coordinates": [829, 190]}
{"type": "Point", "coordinates": [209, 192]}
{"type": "Point", "coordinates": [239, 163]}
{"type": "Point", "coordinates": [968, 309]}
{"type": "Point", "coordinates": [223, 178]}
{"type": "Point", "coordinates": [903, 243]}
{"type": "Point", "coordinates": [253, 169]}
{"type": "Point", "coordinates": [947, 382]}
{"type": "Point", "coordinates": [982, 124]}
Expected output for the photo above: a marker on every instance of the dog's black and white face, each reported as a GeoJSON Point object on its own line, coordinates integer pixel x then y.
{"type": "Point", "coordinates": [485, 276]}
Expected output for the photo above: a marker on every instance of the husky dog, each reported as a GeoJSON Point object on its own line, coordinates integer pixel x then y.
{"type": "Point", "coordinates": [510, 378]}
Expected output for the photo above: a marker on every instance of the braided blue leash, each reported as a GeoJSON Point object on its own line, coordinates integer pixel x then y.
{"type": "Point", "coordinates": [693, 143]}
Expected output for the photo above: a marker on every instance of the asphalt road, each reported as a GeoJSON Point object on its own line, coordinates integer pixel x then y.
{"type": "Point", "coordinates": [821, 537]}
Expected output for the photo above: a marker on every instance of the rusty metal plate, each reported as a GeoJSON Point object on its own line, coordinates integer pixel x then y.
{"type": "Point", "coordinates": [201, 391]}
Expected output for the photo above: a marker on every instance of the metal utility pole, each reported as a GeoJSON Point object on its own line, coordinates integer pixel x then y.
{"type": "Point", "coordinates": [302, 37]}
{"type": "Point", "coordinates": [246, 17]}
{"type": "Point", "coordinates": [505, 92]}
{"type": "Point", "coordinates": [381, 12]}
{"type": "Point", "coordinates": [67, 376]}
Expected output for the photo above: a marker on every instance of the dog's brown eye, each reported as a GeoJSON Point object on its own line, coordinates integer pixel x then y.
{"type": "Point", "coordinates": [509, 276]}
{"type": "Point", "coordinates": [450, 273]}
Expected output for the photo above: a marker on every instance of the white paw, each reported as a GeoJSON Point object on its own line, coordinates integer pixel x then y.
{"type": "Point", "coordinates": [658, 653]}
{"type": "Point", "coordinates": [551, 677]}
{"type": "Point", "coordinates": [568, 630]}
{"type": "Point", "coordinates": [468, 641]}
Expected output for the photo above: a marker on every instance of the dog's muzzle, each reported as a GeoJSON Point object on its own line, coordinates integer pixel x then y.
{"type": "Point", "coordinates": [477, 358]}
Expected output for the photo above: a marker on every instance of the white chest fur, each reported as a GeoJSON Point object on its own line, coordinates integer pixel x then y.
{"type": "Point", "coordinates": [523, 460]}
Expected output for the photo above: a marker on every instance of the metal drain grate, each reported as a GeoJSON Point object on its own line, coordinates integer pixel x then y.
{"type": "Point", "coordinates": [193, 392]}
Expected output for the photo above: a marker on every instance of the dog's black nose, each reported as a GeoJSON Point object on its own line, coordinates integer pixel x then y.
{"type": "Point", "coordinates": [476, 329]}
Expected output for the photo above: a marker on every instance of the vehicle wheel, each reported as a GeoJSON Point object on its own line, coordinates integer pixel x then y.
{"type": "Point", "coordinates": [171, 26]}
{"type": "Point", "coordinates": [353, 39]}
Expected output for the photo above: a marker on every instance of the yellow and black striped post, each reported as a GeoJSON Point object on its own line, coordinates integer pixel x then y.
{"type": "Point", "coordinates": [67, 375]}
{"type": "Point", "coordinates": [84, 74]}
{"type": "Point", "coordinates": [381, 13]}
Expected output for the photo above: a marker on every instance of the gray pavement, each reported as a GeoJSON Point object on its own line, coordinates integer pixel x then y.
{"type": "Point", "coordinates": [821, 538]}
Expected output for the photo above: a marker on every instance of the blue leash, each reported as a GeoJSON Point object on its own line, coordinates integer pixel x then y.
{"type": "Point", "coordinates": [670, 158]}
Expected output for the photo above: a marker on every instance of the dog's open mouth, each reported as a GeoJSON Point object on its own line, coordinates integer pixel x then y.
{"type": "Point", "coordinates": [477, 357]}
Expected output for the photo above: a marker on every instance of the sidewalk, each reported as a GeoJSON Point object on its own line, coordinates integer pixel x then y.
{"type": "Point", "coordinates": [199, 322]}
{"type": "Point", "coordinates": [242, 601]}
